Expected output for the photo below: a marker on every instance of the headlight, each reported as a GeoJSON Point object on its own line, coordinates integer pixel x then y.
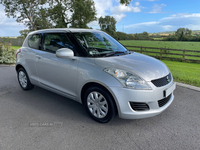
{"type": "Point", "coordinates": [127, 79]}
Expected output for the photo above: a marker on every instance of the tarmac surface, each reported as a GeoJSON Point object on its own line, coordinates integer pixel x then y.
{"type": "Point", "coordinates": [39, 119]}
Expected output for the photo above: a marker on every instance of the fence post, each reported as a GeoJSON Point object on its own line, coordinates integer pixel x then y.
{"type": "Point", "coordinates": [141, 49]}
{"type": "Point", "coordinates": [161, 52]}
{"type": "Point", "coordinates": [183, 55]}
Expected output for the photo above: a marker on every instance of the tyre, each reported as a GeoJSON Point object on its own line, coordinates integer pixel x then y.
{"type": "Point", "coordinates": [23, 79]}
{"type": "Point", "coordinates": [99, 104]}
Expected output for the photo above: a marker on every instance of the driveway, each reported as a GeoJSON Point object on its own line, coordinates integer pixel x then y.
{"type": "Point", "coordinates": [39, 119]}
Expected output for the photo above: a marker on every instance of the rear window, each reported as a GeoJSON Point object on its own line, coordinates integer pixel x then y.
{"type": "Point", "coordinates": [34, 41]}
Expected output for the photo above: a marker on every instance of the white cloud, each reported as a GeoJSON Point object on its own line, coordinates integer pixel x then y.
{"type": "Point", "coordinates": [171, 23]}
{"type": "Point", "coordinates": [119, 17]}
{"type": "Point", "coordinates": [193, 27]}
{"type": "Point", "coordinates": [137, 3]}
{"type": "Point", "coordinates": [181, 19]}
{"type": "Point", "coordinates": [141, 24]}
{"type": "Point", "coordinates": [118, 12]}
{"type": "Point", "coordinates": [102, 6]}
{"type": "Point", "coordinates": [157, 8]}
{"type": "Point", "coordinates": [93, 23]}
{"type": "Point", "coordinates": [9, 26]}
{"type": "Point", "coordinates": [113, 8]}
{"type": "Point", "coordinates": [123, 8]}
{"type": "Point", "coordinates": [167, 27]}
{"type": "Point", "coordinates": [2, 16]}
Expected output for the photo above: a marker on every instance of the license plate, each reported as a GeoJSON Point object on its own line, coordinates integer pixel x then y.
{"type": "Point", "coordinates": [169, 90]}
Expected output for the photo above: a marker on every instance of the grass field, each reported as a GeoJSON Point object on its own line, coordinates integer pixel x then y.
{"type": "Point", "coordinates": [158, 39]}
{"type": "Point", "coordinates": [164, 44]}
{"type": "Point", "coordinates": [15, 47]}
{"type": "Point", "coordinates": [188, 73]}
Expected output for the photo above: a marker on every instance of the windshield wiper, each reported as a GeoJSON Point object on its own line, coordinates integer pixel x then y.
{"type": "Point", "coordinates": [113, 53]}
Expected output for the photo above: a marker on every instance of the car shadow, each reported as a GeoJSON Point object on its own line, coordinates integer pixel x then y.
{"type": "Point", "coordinates": [57, 108]}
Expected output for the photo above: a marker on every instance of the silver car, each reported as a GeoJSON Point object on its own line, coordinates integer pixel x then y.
{"type": "Point", "coordinates": [92, 68]}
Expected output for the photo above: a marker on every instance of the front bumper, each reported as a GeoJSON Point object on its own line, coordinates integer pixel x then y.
{"type": "Point", "coordinates": [123, 97]}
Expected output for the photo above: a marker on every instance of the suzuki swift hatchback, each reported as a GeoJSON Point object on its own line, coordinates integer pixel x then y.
{"type": "Point", "coordinates": [94, 69]}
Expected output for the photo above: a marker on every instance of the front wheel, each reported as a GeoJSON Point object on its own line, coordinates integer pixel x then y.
{"type": "Point", "coordinates": [99, 104]}
{"type": "Point", "coordinates": [24, 80]}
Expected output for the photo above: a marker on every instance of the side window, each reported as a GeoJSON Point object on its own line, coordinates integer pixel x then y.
{"type": "Point", "coordinates": [34, 41]}
{"type": "Point", "coordinates": [82, 40]}
{"type": "Point", "coordinates": [54, 41]}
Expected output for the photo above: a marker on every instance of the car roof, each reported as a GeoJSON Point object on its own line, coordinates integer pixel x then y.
{"type": "Point", "coordinates": [73, 30]}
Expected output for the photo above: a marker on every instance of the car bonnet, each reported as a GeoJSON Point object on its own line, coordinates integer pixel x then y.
{"type": "Point", "coordinates": [146, 67]}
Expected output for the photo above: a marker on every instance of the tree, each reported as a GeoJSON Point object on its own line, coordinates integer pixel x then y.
{"type": "Point", "coordinates": [182, 34]}
{"type": "Point", "coordinates": [171, 37]}
{"type": "Point", "coordinates": [126, 2]}
{"type": "Point", "coordinates": [84, 12]}
{"type": "Point", "coordinates": [23, 10]}
{"type": "Point", "coordinates": [107, 24]}
{"type": "Point", "coordinates": [142, 36]}
{"type": "Point", "coordinates": [58, 12]}
{"type": "Point", "coordinates": [184, 31]}
{"type": "Point", "coordinates": [41, 14]}
{"type": "Point", "coordinates": [42, 19]}
{"type": "Point", "coordinates": [145, 34]}
{"type": "Point", "coordinates": [75, 12]}
{"type": "Point", "coordinates": [24, 33]}
{"type": "Point", "coordinates": [123, 36]}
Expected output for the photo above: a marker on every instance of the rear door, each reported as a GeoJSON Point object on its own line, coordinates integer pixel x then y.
{"type": "Point", "coordinates": [58, 74]}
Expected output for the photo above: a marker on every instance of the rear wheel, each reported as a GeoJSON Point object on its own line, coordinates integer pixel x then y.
{"type": "Point", "coordinates": [24, 80]}
{"type": "Point", "coordinates": [99, 104]}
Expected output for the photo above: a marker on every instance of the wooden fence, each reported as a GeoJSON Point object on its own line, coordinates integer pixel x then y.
{"type": "Point", "coordinates": [167, 53]}
{"type": "Point", "coordinates": [13, 41]}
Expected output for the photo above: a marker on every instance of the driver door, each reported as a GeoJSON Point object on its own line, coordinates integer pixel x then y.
{"type": "Point", "coordinates": [57, 74]}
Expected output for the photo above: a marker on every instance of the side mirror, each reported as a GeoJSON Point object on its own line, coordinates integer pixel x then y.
{"type": "Point", "coordinates": [64, 52]}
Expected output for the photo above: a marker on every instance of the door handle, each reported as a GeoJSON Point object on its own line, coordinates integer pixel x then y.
{"type": "Point", "coordinates": [38, 56]}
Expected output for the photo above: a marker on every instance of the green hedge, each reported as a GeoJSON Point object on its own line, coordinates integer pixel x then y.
{"type": "Point", "coordinates": [7, 55]}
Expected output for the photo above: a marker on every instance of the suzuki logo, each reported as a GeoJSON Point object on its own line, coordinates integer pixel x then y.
{"type": "Point", "coordinates": [168, 80]}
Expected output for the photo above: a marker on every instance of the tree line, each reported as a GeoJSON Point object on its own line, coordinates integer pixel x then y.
{"type": "Point", "coordinates": [182, 34]}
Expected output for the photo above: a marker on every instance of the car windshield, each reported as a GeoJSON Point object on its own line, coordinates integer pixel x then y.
{"type": "Point", "coordinates": [99, 44]}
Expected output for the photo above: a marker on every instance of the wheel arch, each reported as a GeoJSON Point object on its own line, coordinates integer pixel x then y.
{"type": "Point", "coordinates": [19, 66]}
{"type": "Point", "coordinates": [87, 85]}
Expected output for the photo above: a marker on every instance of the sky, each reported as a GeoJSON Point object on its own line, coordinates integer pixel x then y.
{"type": "Point", "coordinates": [140, 15]}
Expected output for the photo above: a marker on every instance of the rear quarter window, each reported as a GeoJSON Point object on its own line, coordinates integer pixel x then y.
{"type": "Point", "coordinates": [34, 41]}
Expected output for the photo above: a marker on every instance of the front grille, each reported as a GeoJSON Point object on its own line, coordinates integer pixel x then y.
{"type": "Point", "coordinates": [164, 101]}
{"type": "Point", "coordinates": [162, 81]}
{"type": "Point", "coordinates": [139, 106]}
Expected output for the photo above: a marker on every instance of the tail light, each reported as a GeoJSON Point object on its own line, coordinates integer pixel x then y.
{"type": "Point", "coordinates": [18, 51]}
